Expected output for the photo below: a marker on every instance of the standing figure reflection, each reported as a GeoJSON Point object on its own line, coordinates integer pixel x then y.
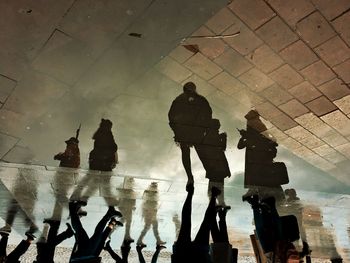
{"type": "Point", "coordinates": [262, 175]}
{"type": "Point", "coordinates": [149, 214]}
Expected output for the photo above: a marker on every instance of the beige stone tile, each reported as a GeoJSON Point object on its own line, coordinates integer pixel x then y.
{"type": "Point", "coordinates": [233, 62]}
{"type": "Point", "coordinates": [315, 125]}
{"type": "Point", "coordinates": [334, 51]}
{"type": "Point", "coordinates": [221, 20]}
{"type": "Point", "coordinates": [293, 11]}
{"type": "Point", "coordinates": [227, 83]}
{"type": "Point", "coordinates": [181, 54]}
{"type": "Point", "coordinates": [330, 9]}
{"type": "Point", "coordinates": [254, 13]}
{"type": "Point", "coordinates": [173, 69]}
{"type": "Point", "coordinates": [321, 106]}
{"type": "Point", "coordinates": [338, 121]}
{"type": "Point", "coordinates": [276, 94]}
{"type": "Point", "coordinates": [334, 89]}
{"type": "Point", "coordinates": [343, 70]}
{"type": "Point", "coordinates": [286, 76]}
{"type": "Point", "coordinates": [245, 42]}
{"type": "Point", "coordinates": [202, 66]}
{"type": "Point", "coordinates": [305, 92]}
{"type": "Point", "coordinates": [256, 80]}
{"type": "Point", "coordinates": [318, 73]}
{"type": "Point", "coordinates": [343, 104]}
{"type": "Point", "coordinates": [315, 29]}
{"type": "Point", "coordinates": [265, 59]}
{"type": "Point", "coordinates": [277, 34]}
{"type": "Point", "coordinates": [298, 55]}
{"type": "Point", "coordinates": [294, 108]}
{"type": "Point", "coordinates": [341, 25]}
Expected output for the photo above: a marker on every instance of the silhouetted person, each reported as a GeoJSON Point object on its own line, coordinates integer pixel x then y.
{"type": "Point", "coordinates": [189, 118]}
{"type": "Point", "coordinates": [149, 213]}
{"type": "Point", "coordinates": [104, 155]}
{"type": "Point", "coordinates": [127, 206]}
{"type": "Point", "coordinates": [154, 257]}
{"type": "Point", "coordinates": [71, 155]}
{"type": "Point", "coordinates": [46, 250]}
{"type": "Point", "coordinates": [221, 249]}
{"type": "Point", "coordinates": [185, 250]}
{"type": "Point", "coordinates": [212, 154]}
{"type": "Point", "coordinates": [262, 175]}
{"type": "Point", "coordinates": [276, 233]}
{"type": "Point", "coordinates": [125, 250]}
{"type": "Point", "coordinates": [22, 247]}
{"type": "Point", "coordinates": [90, 248]}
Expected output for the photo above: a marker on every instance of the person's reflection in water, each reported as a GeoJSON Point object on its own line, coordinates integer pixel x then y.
{"type": "Point", "coordinates": [61, 185]}
{"type": "Point", "coordinates": [125, 250]}
{"type": "Point", "coordinates": [24, 195]}
{"type": "Point", "coordinates": [221, 249]}
{"type": "Point", "coordinates": [262, 175]}
{"type": "Point", "coordinates": [185, 250]}
{"type": "Point", "coordinates": [189, 118]}
{"type": "Point", "coordinates": [276, 233]}
{"type": "Point", "coordinates": [90, 248]}
{"type": "Point", "coordinates": [22, 247]}
{"type": "Point", "coordinates": [126, 205]}
{"type": "Point", "coordinates": [103, 157]}
{"type": "Point", "coordinates": [212, 154]}
{"type": "Point", "coordinates": [154, 257]}
{"type": "Point", "coordinates": [46, 248]}
{"type": "Point", "coordinates": [149, 213]}
{"type": "Point", "coordinates": [71, 156]}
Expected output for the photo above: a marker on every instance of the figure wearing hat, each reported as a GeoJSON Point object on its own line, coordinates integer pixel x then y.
{"type": "Point", "coordinates": [71, 156]}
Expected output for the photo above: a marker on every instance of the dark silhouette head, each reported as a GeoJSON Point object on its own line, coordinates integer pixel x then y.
{"type": "Point", "coordinates": [252, 114]}
{"type": "Point", "coordinates": [72, 140]}
{"type": "Point", "coordinates": [189, 88]}
{"type": "Point", "coordinates": [106, 124]}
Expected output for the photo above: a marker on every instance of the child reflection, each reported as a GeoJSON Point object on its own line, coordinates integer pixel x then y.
{"type": "Point", "coordinates": [149, 214]}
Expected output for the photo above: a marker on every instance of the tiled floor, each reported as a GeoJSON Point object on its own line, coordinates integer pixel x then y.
{"type": "Point", "coordinates": [42, 192]}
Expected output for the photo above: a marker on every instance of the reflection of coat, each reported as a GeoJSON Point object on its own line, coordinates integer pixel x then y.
{"type": "Point", "coordinates": [212, 154]}
{"type": "Point", "coordinates": [103, 156]}
{"type": "Point", "coordinates": [70, 157]}
{"type": "Point", "coordinates": [189, 116]}
{"type": "Point", "coordinates": [260, 169]}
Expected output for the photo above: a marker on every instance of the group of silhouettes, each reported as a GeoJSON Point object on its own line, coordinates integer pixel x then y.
{"type": "Point", "coordinates": [190, 118]}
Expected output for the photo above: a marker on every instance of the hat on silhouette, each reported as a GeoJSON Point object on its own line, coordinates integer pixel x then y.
{"type": "Point", "coordinates": [72, 140]}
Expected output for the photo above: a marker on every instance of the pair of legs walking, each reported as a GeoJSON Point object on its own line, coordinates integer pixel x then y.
{"type": "Point", "coordinates": [91, 246]}
{"type": "Point", "coordinates": [17, 252]}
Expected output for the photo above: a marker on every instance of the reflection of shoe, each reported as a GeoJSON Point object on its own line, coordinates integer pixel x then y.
{"type": "Point", "coordinates": [112, 212]}
{"type": "Point", "coordinates": [140, 245]}
{"type": "Point", "coordinates": [160, 243]}
{"type": "Point", "coordinates": [251, 199]}
{"type": "Point", "coordinates": [114, 222]}
{"type": "Point", "coordinates": [69, 230]}
{"type": "Point", "coordinates": [129, 240]}
{"type": "Point", "coordinates": [6, 230]}
{"type": "Point", "coordinates": [160, 247]}
{"type": "Point", "coordinates": [81, 212]}
{"type": "Point", "coordinates": [50, 221]}
{"type": "Point", "coordinates": [30, 235]}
